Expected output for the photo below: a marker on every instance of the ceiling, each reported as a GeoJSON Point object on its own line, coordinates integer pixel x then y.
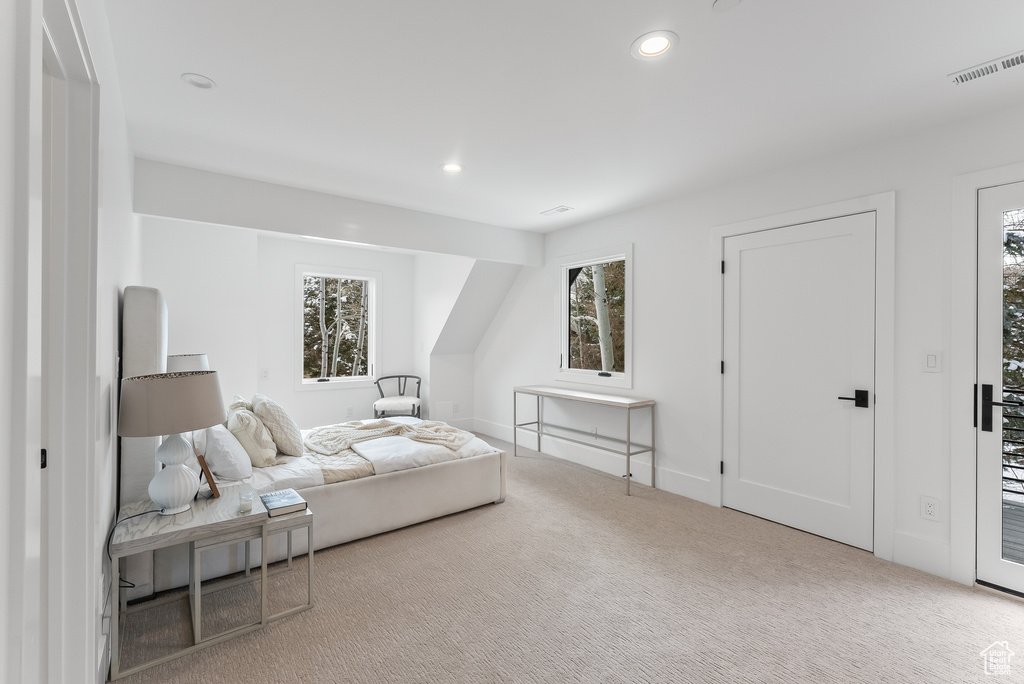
{"type": "Point", "coordinates": [541, 100]}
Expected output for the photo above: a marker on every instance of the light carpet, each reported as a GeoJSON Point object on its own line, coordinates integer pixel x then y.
{"type": "Point", "coordinates": [569, 580]}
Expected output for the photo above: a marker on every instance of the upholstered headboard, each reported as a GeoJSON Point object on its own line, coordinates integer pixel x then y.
{"type": "Point", "coordinates": [143, 351]}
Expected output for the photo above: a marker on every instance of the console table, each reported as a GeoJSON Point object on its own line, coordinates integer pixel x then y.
{"type": "Point", "coordinates": [208, 524]}
{"type": "Point", "coordinates": [629, 404]}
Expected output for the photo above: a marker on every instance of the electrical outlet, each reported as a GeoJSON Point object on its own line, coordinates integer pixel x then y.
{"type": "Point", "coordinates": [929, 508]}
{"type": "Point", "coordinates": [265, 373]}
{"type": "Point", "coordinates": [349, 412]}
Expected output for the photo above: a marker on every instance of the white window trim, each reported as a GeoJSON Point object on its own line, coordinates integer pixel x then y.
{"type": "Point", "coordinates": [622, 380]}
{"type": "Point", "coordinates": [375, 345]}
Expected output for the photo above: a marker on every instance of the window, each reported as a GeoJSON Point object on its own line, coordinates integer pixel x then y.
{"type": "Point", "coordinates": [337, 338]}
{"type": "Point", "coordinates": [595, 320]}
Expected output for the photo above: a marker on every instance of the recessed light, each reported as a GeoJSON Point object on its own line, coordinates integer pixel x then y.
{"type": "Point", "coordinates": [722, 6]}
{"type": "Point", "coordinates": [198, 80]}
{"type": "Point", "coordinates": [452, 168]}
{"type": "Point", "coordinates": [653, 44]}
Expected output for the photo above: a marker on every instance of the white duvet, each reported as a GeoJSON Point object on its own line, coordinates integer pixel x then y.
{"type": "Point", "coordinates": [387, 454]}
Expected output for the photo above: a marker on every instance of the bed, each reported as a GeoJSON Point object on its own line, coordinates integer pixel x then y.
{"type": "Point", "coordinates": [401, 485]}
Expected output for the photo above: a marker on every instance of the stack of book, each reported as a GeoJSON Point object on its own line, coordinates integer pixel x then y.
{"type": "Point", "coordinates": [282, 502]}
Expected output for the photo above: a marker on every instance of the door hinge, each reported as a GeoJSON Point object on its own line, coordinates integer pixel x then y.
{"type": "Point", "coordinates": [723, 265]}
{"type": "Point", "coordinates": [721, 467]}
{"type": "Point", "coordinates": [975, 404]}
{"type": "Point", "coordinates": [42, 458]}
{"type": "Point", "coordinates": [723, 367]}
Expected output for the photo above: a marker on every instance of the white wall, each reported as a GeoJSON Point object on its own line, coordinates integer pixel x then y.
{"type": "Point", "coordinates": [278, 335]}
{"type": "Point", "coordinates": [453, 391]}
{"type": "Point", "coordinates": [231, 294]}
{"type": "Point", "coordinates": [672, 281]}
{"type": "Point", "coordinates": [438, 279]}
{"type": "Point", "coordinates": [15, 79]}
{"type": "Point", "coordinates": [62, 631]}
{"type": "Point", "coordinates": [208, 276]}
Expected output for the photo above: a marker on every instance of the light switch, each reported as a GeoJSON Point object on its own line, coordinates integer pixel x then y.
{"type": "Point", "coordinates": [933, 362]}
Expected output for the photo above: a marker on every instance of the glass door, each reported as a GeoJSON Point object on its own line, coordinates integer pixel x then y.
{"type": "Point", "coordinates": [1001, 386]}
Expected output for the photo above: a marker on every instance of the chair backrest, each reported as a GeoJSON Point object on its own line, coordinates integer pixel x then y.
{"type": "Point", "coordinates": [402, 381]}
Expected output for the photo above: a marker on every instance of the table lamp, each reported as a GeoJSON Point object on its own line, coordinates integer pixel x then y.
{"type": "Point", "coordinates": [170, 404]}
{"type": "Point", "coordinates": [187, 362]}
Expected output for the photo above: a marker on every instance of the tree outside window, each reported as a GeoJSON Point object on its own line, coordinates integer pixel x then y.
{"type": "Point", "coordinates": [597, 317]}
{"type": "Point", "coordinates": [335, 327]}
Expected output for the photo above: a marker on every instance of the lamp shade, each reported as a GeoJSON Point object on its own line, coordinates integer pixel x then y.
{"type": "Point", "coordinates": [169, 403]}
{"type": "Point", "coordinates": [177, 363]}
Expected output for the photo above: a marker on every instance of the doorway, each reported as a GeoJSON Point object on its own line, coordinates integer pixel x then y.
{"type": "Point", "coordinates": [880, 384]}
{"type": "Point", "coordinates": [799, 333]}
{"type": "Point", "coordinates": [1000, 387]}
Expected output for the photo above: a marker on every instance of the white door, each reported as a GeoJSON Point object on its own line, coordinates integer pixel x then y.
{"type": "Point", "coordinates": [1001, 386]}
{"type": "Point", "coordinates": [799, 335]}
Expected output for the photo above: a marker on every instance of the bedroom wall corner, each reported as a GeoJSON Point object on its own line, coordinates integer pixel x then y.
{"type": "Point", "coordinates": [118, 261]}
{"type": "Point", "coordinates": [437, 282]}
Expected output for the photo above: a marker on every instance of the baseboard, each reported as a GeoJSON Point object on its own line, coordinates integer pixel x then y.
{"type": "Point", "coordinates": [926, 555]}
{"type": "Point", "coordinates": [672, 481]}
{"type": "Point", "coordinates": [497, 430]}
{"type": "Point", "coordinates": [684, 484]}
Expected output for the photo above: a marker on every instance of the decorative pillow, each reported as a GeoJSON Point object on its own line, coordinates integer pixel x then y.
{"type": "Point", "coordinates": [225, 455]}
{"type": "Point", "coordinates": [283, 429]}
{"type": "Point", "coordinates": [239, 402]}
{"type": "Point", "coordinates": [254, 437]}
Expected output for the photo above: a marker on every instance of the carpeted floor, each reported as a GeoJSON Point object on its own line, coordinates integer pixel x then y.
{"type": "Point", "coordinates": [571, 581]}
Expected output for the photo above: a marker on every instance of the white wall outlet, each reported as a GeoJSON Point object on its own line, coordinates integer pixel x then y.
{"type": "Point", "coordinates": [929, 508]}
{"type": "Point", "coordinates": [932, 362]}
{"type": "Point", "coordinates": [349, 412]}
{"type": "Point", "coordinates": [265, 373]}
{"type": "Point", "coordinates": [455, 408]}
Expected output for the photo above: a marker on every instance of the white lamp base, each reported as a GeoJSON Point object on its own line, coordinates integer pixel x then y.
{"type": "Point", "coordinates": [174, 487]}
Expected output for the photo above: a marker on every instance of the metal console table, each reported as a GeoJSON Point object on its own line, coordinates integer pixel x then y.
{"type": "Point", "coordinates": [630, 404]}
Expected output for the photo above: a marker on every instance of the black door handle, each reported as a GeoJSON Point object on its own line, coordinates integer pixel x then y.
{"type": "Point", "coordinates": [987, 404]}
{"type": "Point", "coordinates": [859, 398]}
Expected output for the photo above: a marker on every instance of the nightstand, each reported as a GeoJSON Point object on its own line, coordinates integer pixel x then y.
{"type": "Point", "coordinates": [208, 524]}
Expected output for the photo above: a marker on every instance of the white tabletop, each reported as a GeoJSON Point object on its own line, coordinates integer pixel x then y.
{"type": "Point", "coordinates": [205, 517]}
{"type": "Point", "coordinates": [588, 397]}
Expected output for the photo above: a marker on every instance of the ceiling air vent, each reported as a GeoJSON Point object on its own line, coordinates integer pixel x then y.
{"type": "Point", "coordinates": [988, 68]}
{"type": "Point", "coordinates": [560, 209]}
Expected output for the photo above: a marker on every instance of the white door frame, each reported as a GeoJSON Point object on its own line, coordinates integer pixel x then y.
{"type": "Point", "coordinates": [884, 206]}
{"type": "Point", "coordinates": [963, 367]}
{"type": "Point", "coordinates": [71, 626]}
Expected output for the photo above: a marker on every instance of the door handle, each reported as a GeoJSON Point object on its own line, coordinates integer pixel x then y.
{"type": "Point", "coordinates": [987, 404]}
{"type": "Point", "coordinates": [859, 398]}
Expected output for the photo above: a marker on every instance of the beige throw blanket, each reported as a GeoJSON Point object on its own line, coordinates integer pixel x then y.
{"type": "Point", "coordinates": [332, 440]}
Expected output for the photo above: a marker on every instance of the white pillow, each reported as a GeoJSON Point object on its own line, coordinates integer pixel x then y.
{"type": "Point", "coordinates": [239, 402]}
{"type": "Point", "coordinates": [253, 436]}
{"type": "Point", "coordinates": [283, 429]}
{"type": "Point", "coordinates": [225, 455]}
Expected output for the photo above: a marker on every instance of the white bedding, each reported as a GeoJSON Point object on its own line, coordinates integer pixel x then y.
{"type": "Point", "coordinates": [387, 454]}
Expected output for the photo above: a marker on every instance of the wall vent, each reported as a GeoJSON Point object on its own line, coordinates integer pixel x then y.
{"type": "Point", "coordinates": [988, 68]}
{"type": "Point", "coordinates": [560, 209]}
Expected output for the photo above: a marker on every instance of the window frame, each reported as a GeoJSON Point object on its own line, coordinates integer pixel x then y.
{"type": "Point", "coordinates": [374, 280]}
{"type": "Point", "coordinates": [563, 373]}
